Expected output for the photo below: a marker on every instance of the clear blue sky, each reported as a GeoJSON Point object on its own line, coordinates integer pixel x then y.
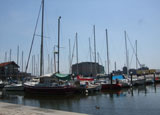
{"type": "Point", "coordinates": [140, 18]}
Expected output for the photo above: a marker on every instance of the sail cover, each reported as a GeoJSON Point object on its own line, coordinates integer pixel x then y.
{"type": "Point", "coordinates": [119, 77]}
{"type": "Point", "coordinates": [63, 76]}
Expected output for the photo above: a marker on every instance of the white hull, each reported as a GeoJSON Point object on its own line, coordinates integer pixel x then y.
{"type": "Point", "coordinates": [138, 82]}
{"type": "Point", "coordinates": [14, 87]}
{"type": "Point", "coordinates": [125, 83]}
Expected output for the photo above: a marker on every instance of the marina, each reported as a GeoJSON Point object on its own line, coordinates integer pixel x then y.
{"type": "Point", "coordinates": [75, 58]}
{"type": "Point", "coordinates": [140, 100]}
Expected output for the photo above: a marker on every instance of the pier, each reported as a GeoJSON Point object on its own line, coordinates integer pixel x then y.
{"type": "Point", "coordinates": [16, 109]}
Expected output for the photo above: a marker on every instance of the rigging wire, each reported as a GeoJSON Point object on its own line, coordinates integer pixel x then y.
{"type": "Point", "coordinates": [131, 59]}
{"type": "Point", "coordinates": [133, 50]}
{"type": "Point", "coordinates": [33, 38]}
{"type": "Point", "coordinates": [73, 52]}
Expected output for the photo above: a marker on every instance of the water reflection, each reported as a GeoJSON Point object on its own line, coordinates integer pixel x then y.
{"type": "Point", "coordinates": [95, 103]}
{"type": "Point", "coordinates": [115, 93]}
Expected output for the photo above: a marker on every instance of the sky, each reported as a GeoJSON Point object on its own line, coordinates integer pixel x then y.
{"type": "Point", "coordinates": [139, 18]}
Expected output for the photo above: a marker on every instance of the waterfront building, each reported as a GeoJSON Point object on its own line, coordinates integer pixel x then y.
{"type": "Point", "coordinates": [8, 69]}
{"type": "Point", "coordinates": [87, 69]}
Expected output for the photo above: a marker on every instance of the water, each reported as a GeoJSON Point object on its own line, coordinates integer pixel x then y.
{"type": "Point", "coordinates": [137, 101]}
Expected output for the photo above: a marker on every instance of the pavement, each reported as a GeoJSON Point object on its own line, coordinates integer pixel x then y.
{"type": "Point", "coordinates": [16, 109]}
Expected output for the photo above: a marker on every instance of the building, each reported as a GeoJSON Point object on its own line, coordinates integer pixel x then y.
{"type": "Point", "coordinates": [87, 69]}
{"type": "Point", "coordinates": [8, 69]}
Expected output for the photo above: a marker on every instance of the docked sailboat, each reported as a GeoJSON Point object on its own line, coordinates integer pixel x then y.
{"type": "Point", "coordinates": [51, 83]}
{"type": "Point", "coordinates": [111, 84]}
{"type": "Point", "coordinates": [136, 81]}
{"type": "Point", "coordinates": [125, 83]}
{"type": "Point", "coordinates": [89, 83]}
{"type": "Point", "coordinates": [108, 86]}
{"type": "Point", "coordinates": [14, 87]}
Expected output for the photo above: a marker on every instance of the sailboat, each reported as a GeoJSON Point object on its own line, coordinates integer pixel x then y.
{"type": "Point", "coordinates": [110, 84]}
{"type": "Point", "coordinates": [54, 83]}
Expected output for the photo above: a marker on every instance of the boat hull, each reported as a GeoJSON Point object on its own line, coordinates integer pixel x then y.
{"type": "Point", "coordinates": [2, 85]}
{"type": "Point", "coordinates": [52, 90]}
{"type": "Point", "coordinates": [14, 88]}
{"type": "Point", "coordinates": [157, 79]}
{"type": "Point", "coordinates": [111, 86]}
{"type": "Point", "coordinates": [138, 82]}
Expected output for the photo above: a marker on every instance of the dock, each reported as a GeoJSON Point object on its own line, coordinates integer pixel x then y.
{"type": "Point", "coordinates": [16, 109]}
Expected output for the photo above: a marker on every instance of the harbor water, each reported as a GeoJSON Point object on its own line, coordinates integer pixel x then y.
{"type": "Point", "coordinates": [141, 100]}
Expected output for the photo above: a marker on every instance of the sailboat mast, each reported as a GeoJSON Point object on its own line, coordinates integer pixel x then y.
{"type": "Point", "coordinates": [17, 54]}
{"type": "Point", "coordinates": [115, 66]}
{"type": "Point", "coordinates": [55, 59]}
{"type": "Point", "coordinates": [69, 57]}
{"type": "Point", "coordinates": [58, 40]}
{"type": "Point", "coordinates": [107, 50]}
{"type": "Point", "coordinates": [22, 61]}
{"type": "Point", "coordinates": [126, 53]}
{"type": "Point", "coordinates": [77, 51]}
{"type": "Point", "coordinates": [90, 56]}
{"type": "Point", "coordinates": [95, 49]}
{"type": "Point", "coordinates": [41, 57]}
{"type": "Point", "coordinates": [10, 55]}
{"type": "Point", "coordinates": [136, 56]}
{"type": "Point", "coordinates": [5, 58]}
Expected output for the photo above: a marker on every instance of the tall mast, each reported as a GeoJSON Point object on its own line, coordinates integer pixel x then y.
{"type": "Point", "coordinates": [55, 59]}
{"type": "Point", "coordinates": [90, 56]}
{"type": "Point", "coordinates": [77, 51]}
{"type": "Point", "coordinates": [51, 65]}
{"type": "Point", "coordinates": [69, 57]}
{"type": "Point", "coordinates": [17, 54]}
{"type": "Point", "coordinates": [58, 40]}
{"type": "Point", "coordinates": [32, 64]}
{"type": "Point", "coordinates": [38, 65]}
{"type": "Point", "coordinates": [22, 61]}
{"type": "Point", "coordinates": [107, 50]}
{"type": "Point", "coordinates": [10, 55]}
{"type": "Point", "coordinates": [98, 58]}
{"type": "Point", "coordinates": [5, 58]}
{"type": "Point", "coordinates": [126, 53]}
{"type": "Point", "coordinates": [136, 56]}
{"type": "Point", "coordinates": [115, 66]}
{"type": "Point", "coordinates": [48, 63]}
{"type": "Point", "coordinates": [41, 57]}
{"type": "Point", "coordinates": [95, 49]}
